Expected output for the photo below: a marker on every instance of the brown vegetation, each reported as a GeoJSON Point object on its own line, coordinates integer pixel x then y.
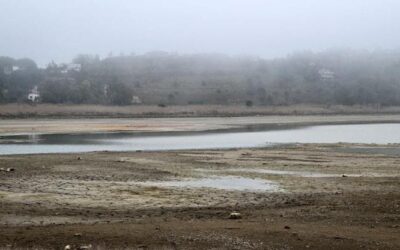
{"type": "Point", "coordinates": [70, 111]}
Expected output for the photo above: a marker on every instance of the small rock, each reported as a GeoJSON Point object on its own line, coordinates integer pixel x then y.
{"type": "Point", "coordinates": [287, 227]}
{"type": "Point", "coordinates": [338, 238]}
{"type": "Point", "coordinates": [79, 158]}
{"type": "Point", "coordinates": [235, 216]}
{"type": "Point", "coordinates": [344, 175]}
{"type": "Point", "coordinates": [77, 235]}
{"type": "Point", "coordinates": [67, 247]}
{"type": "Point", "coordinates": [10, 169]}
{"type": "Point", "coordinates": [85, 247]}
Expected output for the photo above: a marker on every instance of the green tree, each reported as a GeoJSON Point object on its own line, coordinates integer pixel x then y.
{"type": "Point", "coordinates": [120, 94]}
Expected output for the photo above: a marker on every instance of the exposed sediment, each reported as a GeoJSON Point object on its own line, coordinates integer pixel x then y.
{"type": "Point", "coordinates": [327, 196]}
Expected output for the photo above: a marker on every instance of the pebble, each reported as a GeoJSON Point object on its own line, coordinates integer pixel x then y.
{"type": "Point", "coordinates": [235, 216]}
{"type": "Point", "coordinates": [84, 247]}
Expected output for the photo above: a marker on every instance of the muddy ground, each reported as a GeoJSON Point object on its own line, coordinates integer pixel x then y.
{"type": "Point", "coordinates": [188, 124]}
{"type": "Point", "coordinates": [341, 196]}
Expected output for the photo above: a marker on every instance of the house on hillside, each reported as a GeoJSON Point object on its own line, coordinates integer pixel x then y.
{"type": "Point", "coordinates": [34, 95]}
{"type": "Point", "coordinates": [71, 67]}
{"type": "Point", "coordinates": [326, 74]}
{"type": "Point", "coordinates": [136, 100]}
{"type": "Point", "coordinates": [8, 70]}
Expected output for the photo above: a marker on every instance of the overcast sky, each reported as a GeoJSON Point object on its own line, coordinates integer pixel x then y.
{"type": "Point", "coordinates": [60, 29]}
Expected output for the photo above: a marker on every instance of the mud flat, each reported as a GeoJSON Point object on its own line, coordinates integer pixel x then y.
{"type": "Point", "coordinates": [163, 125]}
{"type": "Point", "coordinates": [305, 196]}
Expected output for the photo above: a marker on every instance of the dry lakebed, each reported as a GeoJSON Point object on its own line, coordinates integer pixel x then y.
{"type": "Point", "coordinates": [287, 196]}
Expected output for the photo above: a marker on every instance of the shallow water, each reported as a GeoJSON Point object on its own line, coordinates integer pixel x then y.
{"type": "Point", "coordinates": [355, 133]}
{"type": "Point", "coordinates": [224, 182]}
{"type": "Point", "coordinates": [307, 174]}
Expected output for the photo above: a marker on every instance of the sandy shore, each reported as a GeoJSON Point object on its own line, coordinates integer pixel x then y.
{"type": "Point", "coordinates": [338, 196]}
{"type": "Point", "coordinates": [141, 125]}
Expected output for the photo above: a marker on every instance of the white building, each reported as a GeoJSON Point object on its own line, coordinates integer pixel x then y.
{"type": "Point", "coordinates": [71, 67]}
{"type": "Point", "coordinates": [34, 95]}
{"type": "Point", "coordinates": [74, 67]}
{"type": "Point", "coordinates": [326, 74]}
{"type": "Point", "coordinates": [136, 100]}
{"type": "Point", "coordinates": [8, 70]}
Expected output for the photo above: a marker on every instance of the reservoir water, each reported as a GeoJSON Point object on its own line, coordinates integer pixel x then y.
{"type": "Point", "coordinates": [68, 143]}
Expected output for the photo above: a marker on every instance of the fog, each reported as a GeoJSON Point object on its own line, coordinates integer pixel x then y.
{"type": "Point", "coordinates": [47, 30]}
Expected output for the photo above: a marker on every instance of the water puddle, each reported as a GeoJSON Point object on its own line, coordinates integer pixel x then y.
{"type": "Point", "coordinates": [73, 143]}
{"type": "Point", "coordinates": [226, 183]}
{"type": "Point", "coordinates": [303, 173]}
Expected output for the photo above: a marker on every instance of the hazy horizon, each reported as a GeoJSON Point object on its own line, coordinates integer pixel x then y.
{"type": "Point", "coordinates": [59, 30]}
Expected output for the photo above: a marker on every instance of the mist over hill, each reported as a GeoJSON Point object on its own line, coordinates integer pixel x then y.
{"type": "Point", "coordinates": [345, 77]}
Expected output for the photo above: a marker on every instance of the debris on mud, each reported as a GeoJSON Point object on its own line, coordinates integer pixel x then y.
{"type": "Point", "coordinates": [235, 216]}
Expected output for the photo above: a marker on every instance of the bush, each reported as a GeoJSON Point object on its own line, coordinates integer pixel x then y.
{"type": "Point", "coordinates": [249, 103]}
{"type": "Point", "coordinates": [120, 94]}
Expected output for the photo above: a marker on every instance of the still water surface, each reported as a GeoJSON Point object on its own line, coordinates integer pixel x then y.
{"type": "Point", "coordinates": [355, 133]}
{"type": "Point", "coordinates": [232, 183]}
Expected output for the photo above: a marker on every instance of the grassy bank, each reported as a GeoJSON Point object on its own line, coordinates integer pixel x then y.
{"type": "Point", "coordinates": [96, 111]}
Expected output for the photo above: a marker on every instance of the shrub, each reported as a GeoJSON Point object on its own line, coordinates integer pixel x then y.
{"type": "Point", "coordinates": [249, 103]}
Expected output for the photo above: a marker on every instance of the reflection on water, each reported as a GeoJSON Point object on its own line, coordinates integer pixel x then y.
{"type": "Point", "coordinates": [356, 133]}
{"type": "Point", "coordinates": [225, 182]}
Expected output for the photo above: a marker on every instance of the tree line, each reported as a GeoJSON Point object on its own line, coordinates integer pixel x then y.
{"type": "Point", "coordinates": [346, 77]}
